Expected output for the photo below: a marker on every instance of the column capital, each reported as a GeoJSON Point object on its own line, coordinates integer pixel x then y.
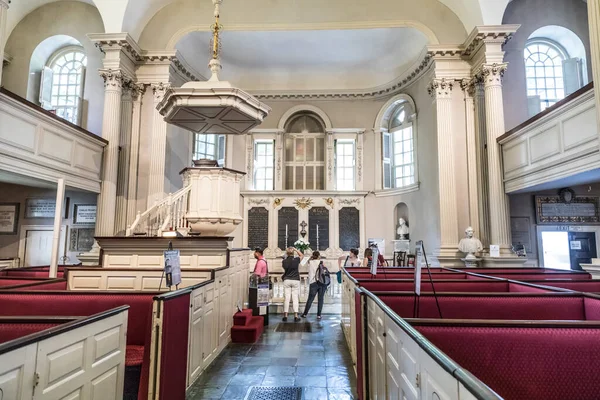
{"type": "Point", "coordinates": [440, 88]}
{"type": "Point", "coordinates": [159, 90]}
{"type": "Point", "coordinates": [138, 90]}
{"type": "Point", "coordinates": [492, 74]}
{"type": "Point", "coordinates": [113, 79]}
{"type": "Point", "coordinates": [4, 4]}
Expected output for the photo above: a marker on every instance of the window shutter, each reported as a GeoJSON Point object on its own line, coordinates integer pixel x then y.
{"type": "Point", "coordinates": [387, 160]}
{"type": "Point", "coordinates": [46, 87]}
{"type": "Point", "coordinates": [572, 75]}
{"type": "Point", "coordinates": [221, 150]}
{"type": "Point", "coordinates": [533, 105]}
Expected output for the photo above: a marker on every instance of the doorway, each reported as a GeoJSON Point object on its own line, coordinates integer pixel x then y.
{"type": "Point", "coordinates": [35, 247]}
{"type": "Point", "coordinates": [566, 250]}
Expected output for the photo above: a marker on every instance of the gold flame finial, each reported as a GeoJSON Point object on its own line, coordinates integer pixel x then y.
{"type": "Point", "coordinates": [215, 64]}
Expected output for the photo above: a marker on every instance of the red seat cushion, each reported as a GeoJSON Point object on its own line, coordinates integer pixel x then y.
{"type": "Point", "coordinates": [134, 355]}
{"type": "Point", "coordinates": [241, 318]}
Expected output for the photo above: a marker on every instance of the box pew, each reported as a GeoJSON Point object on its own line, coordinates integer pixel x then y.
{"type": "Point", "coordinates": [410, 275]}
{"type": "Point", "coordinates": [547, 360]}
{"type": "Point", "coordinates": [46, 284]}
{"type": "Point", "coordinates": [499, 306]}
{"type": "Point", "coordinates": [395, 361]}
{"type": "Point", "coordinates": [518, 276]}
{"type": "Point", "coordinates": [32, 272]}
{"type": "Point", "coordinates": [11, 281]}
{"type": "Point", "coordinates": [494, 270]}
{"type": "Point", "coordinates": [69, 357]}
{"type": "Point", "coordinates": [139, 279]}
{"type": "Point", "coordinates": [577, 285]}
{"type": "Point", "coordinates": [447, 285]}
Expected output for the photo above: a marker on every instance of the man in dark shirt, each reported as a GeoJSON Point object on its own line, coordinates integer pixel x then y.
{"type": "Point", "coordinates": [291, 281]}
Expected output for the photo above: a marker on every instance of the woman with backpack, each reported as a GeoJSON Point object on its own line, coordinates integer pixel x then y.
{"type": "Point", "coordinates": [318, 280]}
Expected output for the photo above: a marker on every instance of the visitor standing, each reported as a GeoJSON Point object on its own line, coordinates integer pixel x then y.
{"type": "Point", "coordinates": [260, 268]}
{"type": "Point", "coordinates": [317, 283]}
{"type": "Point", "coordinates": [350, 261]}
{"type": "Point", "coordinates": [291, 281]}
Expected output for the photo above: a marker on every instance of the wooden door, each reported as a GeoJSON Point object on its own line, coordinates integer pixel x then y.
{"type": "Point", "coordinates": [582, 248]}
{"type": "Point", "coordinates": [38, 248]}
{"type": "Point", "coordinates": [195, 356]}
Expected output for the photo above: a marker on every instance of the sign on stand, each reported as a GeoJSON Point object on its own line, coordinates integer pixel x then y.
{"type": "Point", "coordinates": [375, 260]}
{"type": "Point", "coordinates": [262, 296]}
{"type": "Point", "coordinates": [172, 268]}
{"type": "Point", "coordinates": [418, 267]}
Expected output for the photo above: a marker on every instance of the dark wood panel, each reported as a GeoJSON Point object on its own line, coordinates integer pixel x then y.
{"type": "Point", "coordinates": [318, 216]}
{"type": "Point", "coordinates": [349, 218]}
{"type": "Point", "coordinates": [287, 216]}
{"type": "Point", "coordinates": [258, 227]}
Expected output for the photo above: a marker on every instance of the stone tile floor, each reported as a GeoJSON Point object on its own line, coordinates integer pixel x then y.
{"type": "Point", "coordinates": [318, 361]}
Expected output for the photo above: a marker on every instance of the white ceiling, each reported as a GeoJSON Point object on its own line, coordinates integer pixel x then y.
{"type": "Point", "coordinates": [298, 60]}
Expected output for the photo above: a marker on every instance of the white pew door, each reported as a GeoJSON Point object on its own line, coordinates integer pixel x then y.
{"type": "Point", "coordinates": [38, 246]}
{"type": "Point", "coordinates": [16, 369]}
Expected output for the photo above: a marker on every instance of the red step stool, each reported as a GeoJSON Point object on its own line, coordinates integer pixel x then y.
{"type": "Point", "coordinates": [246, 327]}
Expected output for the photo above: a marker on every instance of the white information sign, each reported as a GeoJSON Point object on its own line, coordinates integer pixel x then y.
{"type": "Point", "coordinates": [375, 260]}
{"type": "Point", "coordinates": [172, 268]}
{"type": "Point", "coordinates": [494, 250]}
{"type": "Point", "coordinates": [84, 214]}
{"type": "Point", "coordinates": [418, 267]}
{"type": "Point", "coordinates": [575, 245]}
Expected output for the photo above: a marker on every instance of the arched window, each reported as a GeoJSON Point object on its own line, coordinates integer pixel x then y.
{"type": "Point", "coordinates": [66, 71]}
{"type": "Point", "coordinates": [305, 152]}
{"type": "Point", "coordinates": [399, 161]}
{"type": "Point", "coordinates": [544, 71]}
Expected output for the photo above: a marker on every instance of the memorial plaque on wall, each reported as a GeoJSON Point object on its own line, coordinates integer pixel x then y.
{"type": "Point", "coordinates": [349, 228]}
{"type": "Point", "coordinates": [551, 210]}
{"type": "Point", "coordinates": [258, 227]}
{"type": "Point", "coordinates": [287, 221]}
{"type": "Point", "coordinates": [520, 232]}
{"type": "Point", "coordinates": [318, 226]}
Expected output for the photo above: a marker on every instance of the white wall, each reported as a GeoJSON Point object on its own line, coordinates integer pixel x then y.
{"type": "Point", "coordinates": [70, 18]}
{"type": "Point", "coordinates": [532, 15]}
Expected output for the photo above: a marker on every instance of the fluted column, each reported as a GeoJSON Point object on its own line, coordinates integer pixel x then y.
{"type": "Point", "coordinates": [594, 23]}
{"type": "Point", "coordinates": [494, 117]}
{"type": "Point", "coordinates": [472, 166]}
{"type": "Point", "coordinates": [441, 90]}
{"type": "Point", "coordinates": [156, 185]}
{"type": "Point", "coordinates": [3, 38]}
{"type": "Point", "coordinates": [138, 91]}
{"type": "Point", "coordinates": [111, 129]}
{"type": "Point", "coordinates": [482, 162]}
{"type": "Point", "coordinates": [123, 171]}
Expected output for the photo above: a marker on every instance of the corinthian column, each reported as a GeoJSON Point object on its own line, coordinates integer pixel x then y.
{"type": "Point", "coordinates": [594, 23]}
{"type": "Point", "coordinates": [3, 38]}
{"type": "Point", "coordinates": [441, 90]}
{"type": "Point", "coordinates": [123, 171]}
{"type": "Point", "coordinates": [472, 166]}
{"type": "Point", "coordinates": [111, 129]}
{"type": "Point", "coordinates": [482, 162]}
{"type": "Point", "coordinates": [494, 117]}
{"type": "Point", "coordinates": [156, 185]}
{"type": "Point", "coordinates": [138, 91]}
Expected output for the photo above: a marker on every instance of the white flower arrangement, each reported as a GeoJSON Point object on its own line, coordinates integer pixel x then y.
{"type": "Point", "coordinates": [302, 245]}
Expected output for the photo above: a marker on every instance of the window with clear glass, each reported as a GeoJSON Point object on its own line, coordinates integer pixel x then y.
{"type": "Point", "coordinates": [68, 73]}
{"type": "Point", "coordinates": [305, 153]}
{"type": "Point", "coordinates": [544, 71]}
{"type": "Point", "coordinates": [210, 147]}
{"type": "Point", "coordinates": [264, 162]}
{"type": "Point", "coordinates": [344, 164]}
{"type": "Point", "coordinates": [399, 150]}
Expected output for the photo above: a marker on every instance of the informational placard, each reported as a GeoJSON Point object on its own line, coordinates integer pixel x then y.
{"type": "Point", "coordinates": [84, 214]}
{"type": "Point", "coordinates": [494, 250]}
{"type": "Point", "coordinates": [575, 245]}
{"type": "Point", "coordinates": [172, 267]}
{"type": "Point", "coordinates": [418, 267]}
{"type": "Point", "coordinates": [40, 208]}
{"type": "Point", "coordinates": [374, 260]}
{"type": "Point", "coordinates": [552, 210]}
{"type": "Point", "coordinates": [262, 297]}
{"type": "Point", "coordinates": [9, 216]}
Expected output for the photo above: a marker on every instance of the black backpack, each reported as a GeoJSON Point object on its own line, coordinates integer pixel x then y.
{"type": "Point", "coordinates": [322, 275]}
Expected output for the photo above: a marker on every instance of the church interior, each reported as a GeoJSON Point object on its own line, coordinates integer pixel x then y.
{"type": "Point", "coordinates": [437, 163]}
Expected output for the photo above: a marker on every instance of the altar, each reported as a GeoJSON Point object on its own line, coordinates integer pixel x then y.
{"type": "Point", "coordinates": [331, 222]}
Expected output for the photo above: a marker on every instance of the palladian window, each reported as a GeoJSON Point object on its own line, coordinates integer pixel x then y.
{"type": "Point", "coordinates": [305, 153]}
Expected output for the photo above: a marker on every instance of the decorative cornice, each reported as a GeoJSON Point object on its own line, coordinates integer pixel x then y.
{"type": "Point", "coordinates": [440, 87]}
{"type": "Point", "coordinates": [349, 202]}
{"type": "Point", "coordinates": [175, 59]}
{"type": "Point", "coordinates": [117, 41]}
{"type": "Point", "coordinates": [257, 202]}
{"type": "Point", "coordinates": [498, 34]}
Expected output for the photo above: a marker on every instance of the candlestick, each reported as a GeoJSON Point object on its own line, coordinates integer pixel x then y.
{"type": "Point", "coordinates": [317, 237]}
{"type": "Point", "coordinates": [286, 236]}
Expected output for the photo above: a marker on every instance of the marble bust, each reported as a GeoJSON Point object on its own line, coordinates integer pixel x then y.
{"type": "Point", "coordinates": [402, 231]}
{"type": "Point", "coordinates": [470, 244]}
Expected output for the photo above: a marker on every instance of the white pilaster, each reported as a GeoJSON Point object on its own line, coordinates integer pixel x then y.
{"type": "Point", "coordinates": [494, 116]}
{"type": "Point", "coordinates": [124, 153]}
{"type": "Point", "coordinates": [482, 162]}
{"type": "Point", "coordinates": [472, 153]}
{"type": "Point", "coordinates": [58, 211]}
{"type": "Point", "coordinates": [134, 153]}
{"type": "Point", "coordinates": [441, 90]}
{"type": "Point", "coordinates": [594, 23]}
{"type": "Point", "coordinates": [3, 38]}
{"type": "Point", "coordinates": [156, 185]}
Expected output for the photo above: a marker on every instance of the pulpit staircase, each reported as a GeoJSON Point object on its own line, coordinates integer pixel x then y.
{"type": "Point", "coordinates": [168, 214]}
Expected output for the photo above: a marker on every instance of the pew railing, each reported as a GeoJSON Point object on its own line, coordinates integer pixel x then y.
{"type": "Point", "coordinates": [166, 214]}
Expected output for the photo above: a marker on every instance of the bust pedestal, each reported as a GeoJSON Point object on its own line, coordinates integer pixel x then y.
{"type": "Point", "coordinates": [471, 262]}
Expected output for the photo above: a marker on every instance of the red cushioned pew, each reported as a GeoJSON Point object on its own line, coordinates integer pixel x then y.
{"type": "Point", "coordinates": [448, 285]}
{"type": "Point", "coordinates": [10, 283]}
{"type": "Point", "coordinates": [590, 286]}
{"type": "Point", "coordinates": [32, 272]}
{"type": "Point", "coordinates": [174, 313]}
{"type": "Point", "coordinates": [533, 360]}
{"type": "Point", "coordinates": [12, 328]}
